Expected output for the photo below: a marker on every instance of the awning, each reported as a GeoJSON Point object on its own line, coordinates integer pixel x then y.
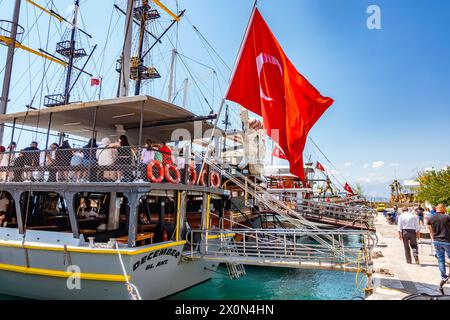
{"type": "Point", "coordinates": [115, 117]}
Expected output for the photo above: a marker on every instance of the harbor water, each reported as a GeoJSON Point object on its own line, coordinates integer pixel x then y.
{"type": "Point", "coordinates": [272, 284]}
{"type": "Point", "coordinates": [276, 284]}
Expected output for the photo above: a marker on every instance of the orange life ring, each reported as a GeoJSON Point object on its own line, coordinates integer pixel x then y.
{"type": "Point", "coordinates": [203, 178]}
{"type": "Point", "coordinates": [215, 179]}
{"type": "Point", "coordinates": [175, 170]}
{"type": "Point", "coordinates": [192, 175]}
{"type": "Point", "coordinates": [150, 174]}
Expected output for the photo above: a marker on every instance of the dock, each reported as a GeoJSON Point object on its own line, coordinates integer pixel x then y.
{"type": "Point", "coordinates": [394, 279]}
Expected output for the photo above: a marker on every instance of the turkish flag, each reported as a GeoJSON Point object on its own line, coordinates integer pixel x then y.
{"type": "Point", "coordinates": [349, 189]}
{"type": "Point", "coordinates": [319, 166]}
{"type": "Point", "coordinates": [265, 82]}
{"type": "Point", "coordinates": [277, 152]}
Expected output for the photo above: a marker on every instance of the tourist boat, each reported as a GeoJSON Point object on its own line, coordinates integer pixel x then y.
{"type": "Point", "coordinates": [81, 229]}
{"type": "Point", "coordinates": [90, 230]}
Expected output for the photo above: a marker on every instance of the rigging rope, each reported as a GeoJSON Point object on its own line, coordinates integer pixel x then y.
{"type": "Point", "coordinates": [329, 161]}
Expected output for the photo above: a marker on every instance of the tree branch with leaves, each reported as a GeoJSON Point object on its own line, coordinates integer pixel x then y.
{"type": "Point", "coordinates": [435, 187]}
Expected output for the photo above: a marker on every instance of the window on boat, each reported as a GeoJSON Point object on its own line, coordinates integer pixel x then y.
{"type": "Point", "coordinates": [156, 219]}
{"type": "Point", "coordinates": [8, 217]}
{"type": "Point", "coordinates": [102, 216]}
{"type": "Point", "coordinates": [194, 210]}
{"type": "Point", "coordinates": [45, 211]}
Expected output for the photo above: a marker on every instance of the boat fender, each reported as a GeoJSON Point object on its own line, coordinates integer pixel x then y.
{"type": "Point", "coordinates": [203, 178]}
{"type": "Point", "coordinates": [171, 168]}
{"type": "Point", "coordinates": [160, 169]}
{"type": "Point", "coordinates": [192, 175]}
{"type": "Point", "coordinates": [215, 180]}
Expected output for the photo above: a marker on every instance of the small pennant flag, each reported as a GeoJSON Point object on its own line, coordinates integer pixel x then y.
{"type": "Point", "coordinates": [349, 189]}
{"type": "Point", "coordinates": [95, 82]}
{"type": "Point", "coordinates": [277, 152]}
{"type": "Point", "coordinates": [320, 167]}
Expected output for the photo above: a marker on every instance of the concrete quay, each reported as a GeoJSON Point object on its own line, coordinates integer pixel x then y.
{"type": "Point", "coordinates": [394, 278]}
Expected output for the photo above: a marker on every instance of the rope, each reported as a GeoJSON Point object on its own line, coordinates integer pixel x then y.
{"type": "Point", "coordinates": [132, 290]}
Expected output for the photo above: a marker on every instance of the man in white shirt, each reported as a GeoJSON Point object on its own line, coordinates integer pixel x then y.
{"type": "Point", "coordinates": [409, 231]}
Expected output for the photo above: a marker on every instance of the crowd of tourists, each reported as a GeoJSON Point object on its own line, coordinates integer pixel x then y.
{"type": "Point", "coordinates": [437, 221]}
{"type": "Point", "coordinates": [105, 162]}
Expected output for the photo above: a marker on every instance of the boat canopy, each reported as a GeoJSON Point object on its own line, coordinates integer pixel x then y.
{"type": "Point", "coordinates": [111, 117]}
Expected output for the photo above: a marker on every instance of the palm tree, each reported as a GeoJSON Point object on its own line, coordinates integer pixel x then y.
{"type": "Point", "coordinates": [396, 189]}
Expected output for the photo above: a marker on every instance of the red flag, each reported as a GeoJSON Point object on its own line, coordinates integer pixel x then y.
{"type": "Point", "coordinates": [319, 166]}
{"type": "Point", "coordinates": [266, 82]}
{"type": "Point", "coordinates": [95, 82]}
{"type": "Point", "coordinates": [349, 189]}
{"type": "Point", "coordinates": [277, 152]}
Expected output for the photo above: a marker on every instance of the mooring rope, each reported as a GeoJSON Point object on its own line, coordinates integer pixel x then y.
{"type": "Point", "coordinates": [132, 290]}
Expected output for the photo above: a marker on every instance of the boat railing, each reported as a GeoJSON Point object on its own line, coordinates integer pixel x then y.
{"type": "Point", "coordinates": [109, 165]}
{"type": "Point", "coordinates": [349, 249]}
{"type": "Point", "coordinates": [347, 212]}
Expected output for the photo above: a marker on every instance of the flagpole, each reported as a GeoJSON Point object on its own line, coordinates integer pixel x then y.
{"type": "Point", "coordinates": [228, 89]}
{"type": "Point", "coordinates": [238, 57]}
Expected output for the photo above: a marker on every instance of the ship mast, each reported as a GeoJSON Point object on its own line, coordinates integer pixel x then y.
{"type": "Point", "coordinates": [72, 53]}
{"type": "Point", "coordinates": [143, 24]}
{"type": "Point", "coordinates": [9, 65]}
{"type": "Point", "coordinates": [172, 74]}
{"type": "Point", "coordinates": [126, 53]}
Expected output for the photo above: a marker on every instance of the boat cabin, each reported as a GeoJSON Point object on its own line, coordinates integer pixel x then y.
{"type": "Point", "coordinates": [137, 192]}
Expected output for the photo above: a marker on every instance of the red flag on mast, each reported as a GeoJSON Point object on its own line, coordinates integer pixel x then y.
{"type": "Point", "coordinates": [95, 82]}
{"type": "Point", "coordinates": [266, 82]}
{"type": "Point", "coordinates": [349, 189]}
{"type": "Point", "coordinates": [320, 167]}
{"type": "Point", "coordinates": [277, 152]}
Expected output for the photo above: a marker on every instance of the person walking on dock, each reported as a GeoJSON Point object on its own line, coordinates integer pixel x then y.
{"type": "Point", "coordinates": [409, 231]}
{"type": "Point", "coordinates": [439, 226]}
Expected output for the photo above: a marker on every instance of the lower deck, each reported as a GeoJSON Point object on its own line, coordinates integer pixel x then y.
{"type": "Point", "coordinates": [134, 214]}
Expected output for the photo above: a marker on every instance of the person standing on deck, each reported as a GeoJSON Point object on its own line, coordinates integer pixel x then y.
{"type": "Point", "coordinates": [106, 157]}
{"type": "Point", "coordinates": [125, 160]}
{"type": "Point", "coordinates": [63, 157]}
{"type": "Point", "coordinates": [166, 153]}
{"type": "Point", "coordinates": [51, 162]}
{"type": "Point", "coordinates": [8, 161]}
{"type": "Point", "coordinates": [31, 158]}
{"type": "Point", "coordinates": [89, 160]}
{"type": "Point", "coordinates": [439, 226]}
{"type": "Point", "coordinates": [409, 231]}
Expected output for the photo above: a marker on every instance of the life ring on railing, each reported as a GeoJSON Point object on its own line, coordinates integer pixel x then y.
{"type": "Point", "coordinates": [203, 178]}
{"type": "Point", "coordinates": [215, 179]}
{"type": "Point", "coordinates": [192, 175]}
{"type": "Point", "coordinates": [174, 169]}
{"type": "Point", "coordinates": [150, 174]}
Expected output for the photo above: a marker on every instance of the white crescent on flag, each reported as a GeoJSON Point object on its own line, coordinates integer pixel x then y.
{"type": "Point", "coordinates": [262, 59]}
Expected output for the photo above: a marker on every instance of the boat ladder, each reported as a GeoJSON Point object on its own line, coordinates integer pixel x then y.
{"type": "Point", "coordinates": [235, 270]}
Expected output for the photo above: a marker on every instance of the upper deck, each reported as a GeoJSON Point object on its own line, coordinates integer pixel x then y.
{"type": "Point", "coordinates": [139, 117]}
{"type": "Point", "coordinates": [104, 167]}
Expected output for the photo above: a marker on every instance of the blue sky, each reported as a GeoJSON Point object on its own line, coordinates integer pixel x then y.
{"type": "Point", "coordinates": [391, 115]}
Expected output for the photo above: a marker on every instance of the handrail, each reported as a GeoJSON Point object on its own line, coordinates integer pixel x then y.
{"type": "Point", "coordinates": [274, 246]}
{"type": "Point", "coordinates": [104, 164]}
